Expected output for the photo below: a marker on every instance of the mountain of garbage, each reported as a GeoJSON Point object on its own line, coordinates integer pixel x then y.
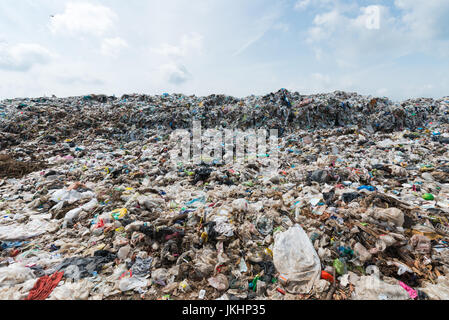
{"type": "Point", "coordinates": [91, 206]}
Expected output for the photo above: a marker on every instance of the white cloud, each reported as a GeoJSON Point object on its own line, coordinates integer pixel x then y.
{"type": "Point", "coordinates": [302, 4]}
{"type": "Point", "coordinates": [113, 46]}
{"type": "Point", "coordinates": [83, 18]}
{"type": "Point", "coordinates": [174, 73]}
{"type": "Point", "coordinates": [365, 36]}
{"type": "Point", "coordinates": [324, 25]}
{"type": "Point", "coordinates": [328, 18]}
{"type": "Point", "coordinates": [361, 40]}
{"type": "Point", "coordinates": [23, 56]}
{"type": "Point", "coordinates": [190, 43]}
{"type": "Point", "coordinates": [426, 18]}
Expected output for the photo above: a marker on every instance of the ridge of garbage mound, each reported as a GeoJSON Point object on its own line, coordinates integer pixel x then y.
{"type": "Point", "coordinates": [112, 117]}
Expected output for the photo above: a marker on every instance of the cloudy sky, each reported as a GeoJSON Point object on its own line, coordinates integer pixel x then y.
{"type": "Point", "coordinates": [397, 48]}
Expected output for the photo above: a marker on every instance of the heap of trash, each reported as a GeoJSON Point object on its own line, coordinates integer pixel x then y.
{"type": "Point", "coordinates": [91, 207]}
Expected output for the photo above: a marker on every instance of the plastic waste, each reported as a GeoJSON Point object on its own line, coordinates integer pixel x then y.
{"type": "Point", "coordinates": [98, 198]}
{"type": "Point", "coordinates": [428, 196]}
{"type": "Point", "coordinates": [295, 257]}
{"type": "Point", "coordinates": [372, 288]}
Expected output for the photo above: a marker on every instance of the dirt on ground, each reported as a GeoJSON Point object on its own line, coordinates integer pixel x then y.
{"type": "Point", "coordinates": [11, 168]}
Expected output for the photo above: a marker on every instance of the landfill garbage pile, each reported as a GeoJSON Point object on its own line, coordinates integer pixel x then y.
{"type": "Point", "coordinates": [92, 208]}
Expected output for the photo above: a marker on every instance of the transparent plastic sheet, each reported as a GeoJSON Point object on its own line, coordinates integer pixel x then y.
{"type": "Point", "coordinates": [15, 274]}
{"type": "Point", "coordinates": [34, 228]}
{"type": "Point", "coordinates": [295, 257]}
{"type": "Point", "coordinates": [372, 288]}
{"type": "Point", "coordinates": [17, 292]}
{"type": "Point", "coordinates": [79, 290]}
{"type": "Point", "coordinates": [437, 291]}
{"type": "Point", "coordinates": [133, 283]}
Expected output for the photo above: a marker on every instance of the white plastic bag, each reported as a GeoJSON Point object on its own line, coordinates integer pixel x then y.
{"type": "Point", "coordinates": [18, 232]}
{"type": "Point", "coordinates": [133, 283]}
{"type": "Point", "coordinates": [15, 274]}
{"type": "Point", "coordinates": [296, 259]}
{"type": "Point", "coordinates": [70, 196]}
{"type": "Point", "coordinates": [72, 291]}
{"type": "Point", "coordinates": [240, 205]}
{"type": "Point", "coordinates": [394, 215]}
{"type": "Point", "coordinates": [372, 288]}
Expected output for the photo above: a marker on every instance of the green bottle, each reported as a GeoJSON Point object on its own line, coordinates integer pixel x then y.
{"type": "Point", "coordinates": [428, 196]}
{"type": "Point", "coordinates": [339, 266]}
